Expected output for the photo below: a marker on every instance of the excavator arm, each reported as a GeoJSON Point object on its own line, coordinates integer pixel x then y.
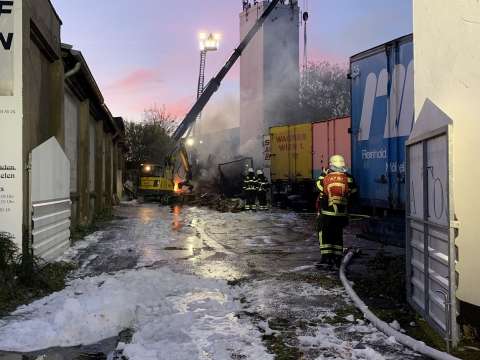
{"type": "Point", "coordinates": [183, 154]}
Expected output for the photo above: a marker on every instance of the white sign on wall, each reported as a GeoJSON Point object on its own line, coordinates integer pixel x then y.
{"type": "Point", "coordinates": [7, 50]}
{"type": "Point", "coordinates": [11, 118]}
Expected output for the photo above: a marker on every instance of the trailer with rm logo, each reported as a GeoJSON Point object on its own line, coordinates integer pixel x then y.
{"type": "Point", "coordinates": [382, 120]}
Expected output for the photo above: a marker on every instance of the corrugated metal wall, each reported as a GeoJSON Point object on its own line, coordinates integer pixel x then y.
{"type": "Point", "coordinates": [382, 119]}
{"type": "Point", "coordinates": [330, 138]}
{"type": "Point", "coordinates": [50, 192]}
{"type": "Point", "coordinates": [291, 152]}
{"type": "Point", "coordinates": [430, 245]}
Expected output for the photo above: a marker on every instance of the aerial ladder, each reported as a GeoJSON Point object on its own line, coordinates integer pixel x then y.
{"type": "Point", "coordinates": [179, 136]}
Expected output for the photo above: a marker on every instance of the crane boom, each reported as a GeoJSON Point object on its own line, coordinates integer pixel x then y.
{"type": "Point", "coordinates": [214, 84]}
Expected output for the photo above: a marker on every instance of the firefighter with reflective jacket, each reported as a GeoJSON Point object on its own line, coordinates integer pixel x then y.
{"type": "Point", "coordinates": [262, 187]}
{"type": "Point", "coordinates": [250, 188]}
{"type": "Point", "coordinates": [336, 187]}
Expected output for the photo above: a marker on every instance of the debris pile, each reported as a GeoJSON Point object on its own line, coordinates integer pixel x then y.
{"type": "Point", "coordinates": [218, 202]}
{"type": "Point", "coordinates": [210, 190]}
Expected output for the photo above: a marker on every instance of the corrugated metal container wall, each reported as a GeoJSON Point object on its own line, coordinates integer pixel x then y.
{"type": "Point", "coordinates": [280, 158]}
{"type": "Point", "coordinates": [382, 119]}
{"type": "Point", "coordinates": [291, 153]}
{"type": "Point", "coordinates": [329, 138]}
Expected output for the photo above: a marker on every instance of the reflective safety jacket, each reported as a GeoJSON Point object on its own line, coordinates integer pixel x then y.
{"type": "Point", "coordinates": [250, 183]}
{"type": "Point", "coordinates": [335, 190]}
{"type": "Point", "coordinates": [262, 183]}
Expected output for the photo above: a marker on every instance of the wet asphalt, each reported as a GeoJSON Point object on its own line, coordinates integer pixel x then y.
{"type": "Point", "coordinates": [272, 257]}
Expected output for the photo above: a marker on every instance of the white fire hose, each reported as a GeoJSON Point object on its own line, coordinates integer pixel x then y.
{"type": "Point", "coordinates": [403, 339]}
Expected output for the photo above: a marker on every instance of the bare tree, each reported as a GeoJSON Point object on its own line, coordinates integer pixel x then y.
{"type": "Point", "coordinates": [159, 116]}
{"type": "Point", "coordinates": [149, 141]}
{"type": "Point", "coordinates": [324, 91]}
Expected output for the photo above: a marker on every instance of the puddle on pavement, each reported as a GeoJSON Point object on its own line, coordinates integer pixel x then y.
{"type": "Point", "coordinates": [172, 248]}
{"type": "Point", "coordinates": [99, 351]}
{"type": "Point", "coordinates": [103, 350]}
{"type": "Point", "coordinates": [177, 223]}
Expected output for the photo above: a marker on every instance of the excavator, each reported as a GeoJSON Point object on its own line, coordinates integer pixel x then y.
{"type": "Point", "coordinates": [164, 180]}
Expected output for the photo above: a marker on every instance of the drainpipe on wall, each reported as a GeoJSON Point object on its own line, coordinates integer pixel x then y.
{"type": "Point", "coordinates": [75, 70]}
{"type": "Point", "coordinates": [27, 241]}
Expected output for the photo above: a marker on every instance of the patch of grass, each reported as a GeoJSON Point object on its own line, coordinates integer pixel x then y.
{"type": "Point", "coordinates": [388, 273]}
{"type": "Point", "coordinates": [383, 289]}
{"type": "Point", "coordinates": [23, 279]}
{"type": "Point", "coordinates": [278, 343]}
{"type": "Point", "coordinates": [278, 346]}
{"type": "Point", "coordinates": [326, 282]}
{"type": "Point", "coordinates": [238, 282]}
{"type": "Point", "coordinates": [341, 313]}
{"type": "Point", "coordinates": [104, 215]}
{"type": "Point", "coordinates": [82, 231]}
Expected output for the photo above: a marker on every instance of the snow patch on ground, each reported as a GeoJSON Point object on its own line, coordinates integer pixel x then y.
{"type": "Point", "coordinates": [302, 268]}
{"type": "Point", "coordinates": [352, 339]}
{"type": "Point", "coordinates": [173, 316]}
{"type": "Point", "coordinates": [87, 241]}
{"type": "Point", "coordinates": [326, 338]}
{"type": "Point", "coordinates": [274, 296]}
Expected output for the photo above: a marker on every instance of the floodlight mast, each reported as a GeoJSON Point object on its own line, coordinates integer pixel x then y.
{"type": "Point", "coordinates": [207, 43]}
{"type": "Point", "coordinates": [215, 83]}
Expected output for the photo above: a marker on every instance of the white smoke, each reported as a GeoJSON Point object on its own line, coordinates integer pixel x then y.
{"type": "Point", "coordinates": [218, 132]}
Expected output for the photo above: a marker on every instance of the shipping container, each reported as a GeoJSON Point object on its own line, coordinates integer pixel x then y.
{"type": "Point", "coordinates": [232, 175]}
{"type": "Point", "coordinates": [382, 119]}
{"type": "Point", "coordinates": [330, 138]}
{"type": "Point", "coordinates": [291, 153]}
{"type": "Point", "coordinates": [299, 153]}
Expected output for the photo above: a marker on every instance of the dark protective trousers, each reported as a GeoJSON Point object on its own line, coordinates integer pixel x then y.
{"type": "Point", "coordinates": [262, 200]}
{"type": "Point", "coordinates": [250, 201]}
{"type": "Point", "coordinates": [330, 236]}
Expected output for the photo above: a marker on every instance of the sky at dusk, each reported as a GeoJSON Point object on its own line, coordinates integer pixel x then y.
{"type": "Point", "coordinates": [145, 52]}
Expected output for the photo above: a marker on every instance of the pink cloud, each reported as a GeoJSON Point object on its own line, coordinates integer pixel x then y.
{"type": "Point", "coordinates": [315, 55]}
{"type": "Point", "coordinates": [136, 79]}
{"type": "Point", "coordinates": [180, 107]}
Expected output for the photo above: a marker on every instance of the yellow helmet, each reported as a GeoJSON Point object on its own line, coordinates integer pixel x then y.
{"type": "Point", "coordinates": [337, 163]}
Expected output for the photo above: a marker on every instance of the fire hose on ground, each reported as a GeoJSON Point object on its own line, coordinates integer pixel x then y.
{"type": "Point", "coordinates": [403, 339]}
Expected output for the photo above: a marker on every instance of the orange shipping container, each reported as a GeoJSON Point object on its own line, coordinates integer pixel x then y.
{"type": "Point", "coordinates": [331, 137]}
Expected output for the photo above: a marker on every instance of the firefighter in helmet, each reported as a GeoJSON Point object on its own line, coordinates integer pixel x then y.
{"type": "Point", "coordinates": [250, 188]}
{"type": "Point", "coordinates": [262, 187]}
{"type": "Point", "coordinates": [336, 186]}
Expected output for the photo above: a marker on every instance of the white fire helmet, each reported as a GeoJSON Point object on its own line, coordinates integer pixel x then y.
{"type": "Point", "coordinates": [250, 170]}
{"type": "Point", "coordinates": [259, 172]}
{"type": "Point", "coordinates": [337, 163]}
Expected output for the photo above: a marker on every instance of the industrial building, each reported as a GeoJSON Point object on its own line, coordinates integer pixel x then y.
{"type": "Point", "coordinates": [443, 199]}
{"type": "Point", "coordinates": [54, 121]}
{"type": "Point", "coordinates": [269, 75]}
{"type": "Point", "coordinates": [92, 136]}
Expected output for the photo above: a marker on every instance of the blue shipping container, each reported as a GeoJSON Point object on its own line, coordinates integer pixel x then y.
{"type": "Point", "coordinates": [382, 119]}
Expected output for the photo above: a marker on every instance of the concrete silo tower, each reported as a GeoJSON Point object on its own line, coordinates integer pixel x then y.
{"type": "Point", "coordinates": [269, 74]}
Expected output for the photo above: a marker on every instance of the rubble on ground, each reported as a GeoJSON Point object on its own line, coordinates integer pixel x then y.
{"type": "Point", "coordinates": [216, 202]}
{"type": "Point", "coordinates": [208, 194]}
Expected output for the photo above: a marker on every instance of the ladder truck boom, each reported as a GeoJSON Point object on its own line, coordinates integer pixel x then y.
{"type": "Point", "coordinates": [214, 84]}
